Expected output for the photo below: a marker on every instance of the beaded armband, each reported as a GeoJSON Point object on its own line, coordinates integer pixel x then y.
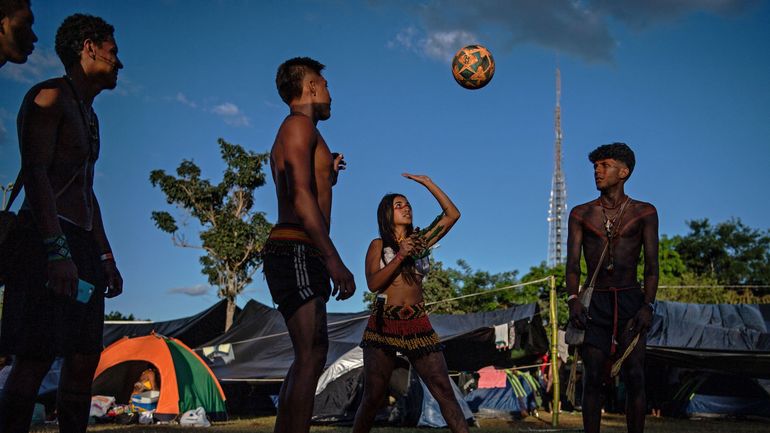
{"type": "Point", "coordinates": [56, 248]}
{"type": "Point", "coordinates": [428, 234]}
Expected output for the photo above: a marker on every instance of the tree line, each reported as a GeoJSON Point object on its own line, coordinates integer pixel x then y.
{"type": "Point", "coordinates": [712, 263]}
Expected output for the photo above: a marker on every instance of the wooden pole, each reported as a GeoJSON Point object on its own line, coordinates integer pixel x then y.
{"type": "Point", "coordinates": [554, 356]}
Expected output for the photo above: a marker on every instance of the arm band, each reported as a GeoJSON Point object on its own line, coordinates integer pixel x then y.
{"type": "Point", "coordinates": [56, 248]}
{"type": "Point", "coordinates": [107, 256]}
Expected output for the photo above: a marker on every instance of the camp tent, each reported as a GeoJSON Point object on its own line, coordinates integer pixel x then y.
{"type": "Point", "coordinates": [186, 382]}
{"type": "Point", "coordinates": [719, 395]}
{"type": "Point", "coordinates": [192, 331]}
{"type": "Point", "coordinates": [258, 346]}
{"type": "Point", "coordinates": [340, 388]}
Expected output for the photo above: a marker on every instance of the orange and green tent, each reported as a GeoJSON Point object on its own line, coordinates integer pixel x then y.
{"type": "Point", "coordinates": [186, 382]}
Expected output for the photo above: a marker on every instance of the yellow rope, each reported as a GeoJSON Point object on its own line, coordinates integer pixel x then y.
{"type": "Point", "coordinates": [619, 363]}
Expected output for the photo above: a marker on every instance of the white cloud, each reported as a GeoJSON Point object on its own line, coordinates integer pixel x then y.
{"type": "Point", "coordinates": [42, 64]}
{"type": "Point", "coordinates": [126, 86]}
{"type": "Point", "coordinates": [404, 39]}
{"type": "Point", "coordinates": [231, 114]}
{"type": "Point", "coordinates": [578, 27]}
{"type": "Point", "coordinates": [182, 99]}
{"type": "Point", "coordinates": [227, 111]}
{"type": "Point", "coordinates": [4, 115]}
{"type": "Point", "coordinates": [440, 45]}
{"type": "Point", "coordinates": [197, 290]}
{"type": "Point", "coordinates": [443, 45]}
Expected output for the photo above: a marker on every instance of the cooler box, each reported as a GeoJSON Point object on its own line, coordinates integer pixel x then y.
{"type": "Point", "coordinates": [147, 400]}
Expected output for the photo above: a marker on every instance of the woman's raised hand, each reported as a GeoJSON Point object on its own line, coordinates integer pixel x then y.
{"type": "Point", "coordinates": [419, 178]}
{"type": "Point", "coordinates": [407, 247]}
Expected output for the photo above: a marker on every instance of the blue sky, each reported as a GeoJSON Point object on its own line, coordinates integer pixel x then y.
{"type": "Point", "coordinates": [685, 83]}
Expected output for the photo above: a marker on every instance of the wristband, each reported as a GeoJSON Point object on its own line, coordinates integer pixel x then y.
{"type": "Point", "coordinates": [399, 256]}
{"type": "Point", "coordinates": [57, 249]}
{"type": "Point", "coordinates": [652, 306]}
{"type": "Point", "coordinates": [107, 256]}
{"type": "Point", "coordinates": [571, 297]}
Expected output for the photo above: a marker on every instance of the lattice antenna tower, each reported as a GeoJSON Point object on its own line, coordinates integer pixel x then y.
{"type": "Point", "coordinates": [557, 207]}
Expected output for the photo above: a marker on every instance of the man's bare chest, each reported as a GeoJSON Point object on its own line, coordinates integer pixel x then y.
{"type": "Point", "coordinates": [598, 225]}
{"type": "Point", "coordinates": [77, 139]}
{"type": "Point", "coordinates": [323, 164]}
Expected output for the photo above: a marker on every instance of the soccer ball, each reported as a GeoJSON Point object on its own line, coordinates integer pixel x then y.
{"type": "Point", "coordinates": [473, 67]}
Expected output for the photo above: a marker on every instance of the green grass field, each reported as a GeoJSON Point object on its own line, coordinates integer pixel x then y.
{"type": "Point", "coordinates": [568, 422]}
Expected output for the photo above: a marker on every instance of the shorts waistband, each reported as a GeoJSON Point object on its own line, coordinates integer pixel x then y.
{"type": "Point", "coordinates": [617, 289]}
{"type": "Point", "coordinates": [289, 232]}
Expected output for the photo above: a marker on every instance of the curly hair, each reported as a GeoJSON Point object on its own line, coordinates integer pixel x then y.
{"type": "Point", "coordinates": [74, 30]}
{"type": "Point", "coordinates": [617, 151]}
{"type": "Point", "coordinates": [9, 7]}
{"type": "Point", "coordinates": [290, 74]}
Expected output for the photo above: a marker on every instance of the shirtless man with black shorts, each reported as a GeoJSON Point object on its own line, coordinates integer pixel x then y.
{"type": "Point", "coordinates": [60, 245]}
{"type": "Point", "coordinates": [299, 257]}
{"type": "Point", "coordinates": [620, 308]}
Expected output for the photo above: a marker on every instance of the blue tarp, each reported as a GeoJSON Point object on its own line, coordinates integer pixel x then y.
{"type": "Point", "coordinates": [504, 401]}
{"type": "Point", "coordinates": [494, 401]}
{"type": "Point", "coordinates": [709, 405]}
{"type": "Point", "coordinates": [431, 413]}
{"type": "Point", "coordinates": [728, 338]}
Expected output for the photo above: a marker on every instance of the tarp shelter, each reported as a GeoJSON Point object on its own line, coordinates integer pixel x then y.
{"type": "Point", "coordinates": [258, 346]}
{"type": "Point", "coordinates": [340, 388]}
{"type": "Point", "coordinates": [504, 393]}
{"type": "Point", "coordinates": [192, 331]}
{"type": "Point", "coordinates": [186, 383]}
{"type": "Point", "coordinates": [726, 338]}
{"type": "Point", "coordinates": [718, 395]}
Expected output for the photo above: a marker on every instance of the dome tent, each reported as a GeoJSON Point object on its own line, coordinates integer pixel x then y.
{"type": "Point", "coordinates": [186, 382]}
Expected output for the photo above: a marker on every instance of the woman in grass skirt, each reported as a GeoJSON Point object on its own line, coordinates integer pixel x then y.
{"type": "Point", "coordinates": [396, 263]}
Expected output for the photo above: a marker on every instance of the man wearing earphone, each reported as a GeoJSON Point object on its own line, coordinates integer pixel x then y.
{"type": "Point", "coordinates": [63, 267]}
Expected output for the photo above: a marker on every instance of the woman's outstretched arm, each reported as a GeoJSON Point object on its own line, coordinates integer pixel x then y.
{"type": "Point", "coordinates": [450, 213]}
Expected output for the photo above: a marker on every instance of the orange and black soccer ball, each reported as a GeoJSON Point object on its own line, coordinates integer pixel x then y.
{"type": "Point", "coordinates": [473, 67]}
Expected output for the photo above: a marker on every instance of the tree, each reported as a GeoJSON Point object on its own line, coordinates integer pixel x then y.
{"type": "Point", "coordinates": [541, 292]}
{"type": "Point", "coordinates": [232, 234]}
{"type": "Point", "coordinates": [117, 315]}
{"type": "Point", "coordinates": [440, 289]}
{"type": "Point", "coordinates": [729, 252]}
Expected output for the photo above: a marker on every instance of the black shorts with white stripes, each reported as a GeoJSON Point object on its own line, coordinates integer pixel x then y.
{"type": "Point", "coordinates": [295, 274]}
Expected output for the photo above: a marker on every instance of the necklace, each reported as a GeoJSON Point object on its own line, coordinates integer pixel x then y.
{"type": "Point", "coordinates": [88, 116]}
{"type": "Point", "coordinates": [611, 230]}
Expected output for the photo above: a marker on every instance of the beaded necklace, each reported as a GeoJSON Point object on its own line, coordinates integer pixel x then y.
{"type": "Point", "coordinates": [611, 229]}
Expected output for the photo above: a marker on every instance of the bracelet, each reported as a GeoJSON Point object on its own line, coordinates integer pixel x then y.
{"type": "Point", "coordinates": [399, 256]}
{"type": "Point", "coordinates": [652, 306]}
{"type": "Point", "coordinates": [107, 256]}
{"type": "Point", "coordinates": [56, 248]}
{"type": "Point", "coordinates": [571, 297]}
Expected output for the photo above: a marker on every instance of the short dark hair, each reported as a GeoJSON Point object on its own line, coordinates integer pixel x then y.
{"type": "Point", "coordinates": [290, 74]}
{"type": "Point", "coordinates": [74, 30]}
{"type": "Point", "coordinates": [9, 7]}
{"type": "Point", "coordinates": [617, 151]}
